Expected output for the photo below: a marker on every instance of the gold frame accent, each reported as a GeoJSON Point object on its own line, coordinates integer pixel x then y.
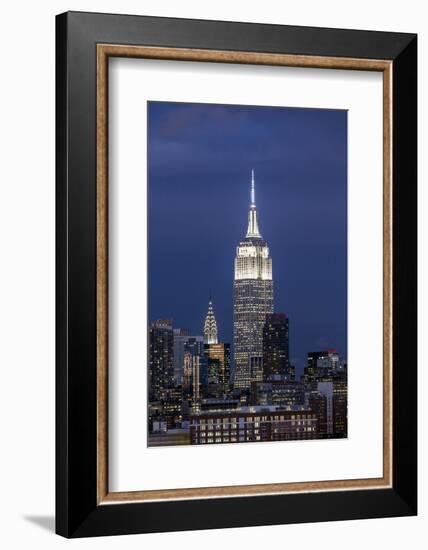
{"type": "Point", "coordinates": [104, 51]}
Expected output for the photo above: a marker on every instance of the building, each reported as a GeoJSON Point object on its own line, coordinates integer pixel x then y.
{"type": "Point", "coordinates": [279, 392]}
{"type": "Point", "coordinates": [196, 383]}
{"type": "Point", "coordinates": [276, 350]}
{"type": "Point", "coordinates": [253, 296]}
{"type": "Point", "coordinates": [163, 438]}
{"type": "Point", "coordinates": [325, 389]}
{"type": "Point", "coordinates": [340, 407]}
{"type": "Point", "coordinates": [217, 360]}
{"type": "Point", "coordinates": [161, 362]}
{"type": "Point", "coordinates": [168, 410]}
{"type": "Point", "coordinates": [183, 340]}
{"type": "Point", "coordinates": [255, 361]}
{"type": "Point", "coordinates": [252, 424]}
{"type": "Point", "coordinates": [329, 402]}
{"type": "Point", "coordinates": [210, 326]}
{"type": "Point", "coordinates": [180, 335]}
{"type": "Point", "coordinates": [218, 404]}
{"type": "Point", "coordinates": [322, 364]}
{"type": "Point", "coordinates": [194, 367]}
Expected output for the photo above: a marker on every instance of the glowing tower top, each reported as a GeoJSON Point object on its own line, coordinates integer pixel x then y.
{"type": "Point", "coordinates": [253, 227]}
{"type": "Point", "coordinates": [210, 326]}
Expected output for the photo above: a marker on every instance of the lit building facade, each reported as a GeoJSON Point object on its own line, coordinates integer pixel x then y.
{"type": "Point", "coordinates": [210, 326]}
{"type": "Point", "coordinates": [276, 346]}
{"type": "Point", "coordinates": [217, 359]}
{"type": "Point", "coordinates": [194, 367]}
{"type": "Point", "coordinates": [329, 402]}
{"type": "Point", "coordinates": [181, 339]}
{"type": "Point", "coordinates": [321, 364]}
{"type": "Point", "coordinates": [252, 299]}
{"type": "Point", "coordinates": [254, 424]}
{"type": "Point", "coordinates": [279, 391]}
{"type": "Point", "coordinates": [161, 358]}
{"type": "Point", "coordinates": [340, 407]}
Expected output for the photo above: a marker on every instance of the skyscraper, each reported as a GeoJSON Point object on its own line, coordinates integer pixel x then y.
{"type": "Point", "coordinates": [253, 298]}
{"type": "Point", "coordinates": [217, 357]}
{"type": "Point", "coordinates": [210, 326]}
{"type": "Point", "coordinates": [181, 339]}
{"type": "Point", "coordinates": [194, 364]}
{"type": "Point", "coordinates": [161, 364]}
{"type": "Point", "coordinates": [276, 345]}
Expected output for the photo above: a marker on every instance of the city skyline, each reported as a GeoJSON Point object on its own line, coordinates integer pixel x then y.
{"type": "Point", "coordinates": [253, 305]}
{"type": "Point", "coordinates": [308, 245]}
{"type": "Point", "coordinates": [208, 388]}
{"type": "Point", "coordinates": [253, 269]}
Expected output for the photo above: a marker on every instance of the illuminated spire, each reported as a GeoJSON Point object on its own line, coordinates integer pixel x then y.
{"type": "Point", "coordinates": [253, 190]}
{"type": "Point", "coordinates": [253, 228]}
{"type": "Point", "coordinates": [210, 326]}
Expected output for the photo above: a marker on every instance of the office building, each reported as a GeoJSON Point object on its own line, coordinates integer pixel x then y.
{"type": "Point", "coordinates": [252, 297]}
{"type": "Point", "coordinates": [161, 362]}
{"type": "Point", "coordinates": [276, 359]}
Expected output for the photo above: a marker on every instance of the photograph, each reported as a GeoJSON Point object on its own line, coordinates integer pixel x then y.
{"type": "Point", "coordinates": [247, 264]}
{"type": "Point", "coordinates": [212, 307]}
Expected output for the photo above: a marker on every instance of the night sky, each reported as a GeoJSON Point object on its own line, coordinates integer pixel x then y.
{"type": "Point", "coordinates": [200, 159]}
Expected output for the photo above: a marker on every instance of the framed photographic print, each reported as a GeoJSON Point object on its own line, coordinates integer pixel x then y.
{"type": "Point", "coordinates": [236, 274]}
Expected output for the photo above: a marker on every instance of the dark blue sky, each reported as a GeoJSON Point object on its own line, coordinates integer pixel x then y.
{"type": "Point", "coordinates": [200, 158]}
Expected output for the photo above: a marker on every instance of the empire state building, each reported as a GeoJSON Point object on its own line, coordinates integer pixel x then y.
{"type": "Point", "coordinates": [252, 300]}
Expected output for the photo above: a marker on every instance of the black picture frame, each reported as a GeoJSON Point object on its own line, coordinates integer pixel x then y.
{"type": "Point", "coordinates": [77, 511]}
